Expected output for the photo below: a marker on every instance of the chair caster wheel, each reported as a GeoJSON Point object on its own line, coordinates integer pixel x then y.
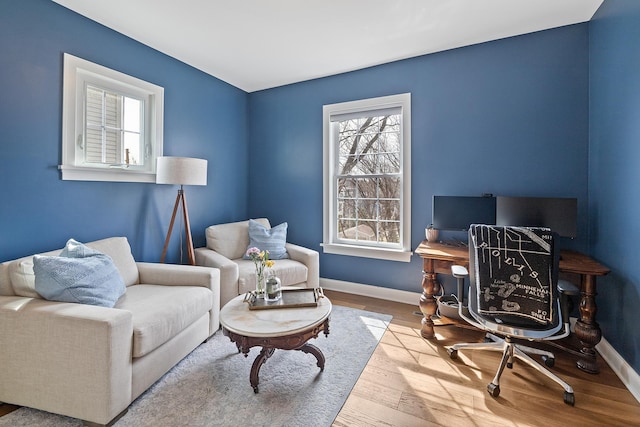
{"type": "Point", "coordinates": [493, 389]}
{"type": "Point", "coordinates": [453, 354]}
{"type": "Point", "coordinates": [510, 365]}
{"type": "Point", "coordinates": [549, 361]}
{"type": "Point", "coordinates": [569, 398]}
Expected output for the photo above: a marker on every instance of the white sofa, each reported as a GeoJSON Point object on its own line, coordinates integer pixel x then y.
{"type": "Point", "coordinates": [226, 245]}
{"type": "Point", "coordinates": [90, 362]}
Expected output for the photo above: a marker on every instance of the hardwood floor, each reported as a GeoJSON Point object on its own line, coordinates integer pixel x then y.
{"type": "Point", "coordinates": [411, 381]}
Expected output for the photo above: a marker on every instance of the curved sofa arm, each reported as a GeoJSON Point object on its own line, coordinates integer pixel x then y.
{"type": "Point", "coordinates": [153, 273]}
{"type": "Point", "coordinates": [70, 359]}
{"type": "Point", "coordinates": [229, 272]}
{"type": "Point", "coordinates": [308, 257]}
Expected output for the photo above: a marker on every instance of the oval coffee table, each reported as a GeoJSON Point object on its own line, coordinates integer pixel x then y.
{"type": "Point", "coordinates": [271, 329]}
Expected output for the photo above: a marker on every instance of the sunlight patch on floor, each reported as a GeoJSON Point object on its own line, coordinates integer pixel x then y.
{"type": "Point", "coordinates": [377, 327]}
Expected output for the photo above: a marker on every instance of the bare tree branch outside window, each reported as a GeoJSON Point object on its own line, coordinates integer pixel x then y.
{"type": "Point", "coordinates": [369, 181]}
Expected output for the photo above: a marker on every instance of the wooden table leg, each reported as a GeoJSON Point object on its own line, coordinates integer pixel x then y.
{"type": "Point", "coordinates": [428, 305]}
{"type": "Point", "coordinates": [257, 364]}
{"type": "Point", "coordinates": [297, 341]}
{"type": "Point", "coordinates": [587, 329]}
{"type": "Point", "coordinates": [312, 349]}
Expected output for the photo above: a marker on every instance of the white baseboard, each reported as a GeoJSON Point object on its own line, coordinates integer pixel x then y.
{"type": "Point", "coordinates": [371, 291]}
{"type": "Point", "coordinates": [620, 367]}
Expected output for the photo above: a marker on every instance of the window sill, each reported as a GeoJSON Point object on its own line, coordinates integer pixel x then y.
{"type": "Point", "coordinates": [72, 173]}
{"type": "Point", "coordinates": [366, 252]}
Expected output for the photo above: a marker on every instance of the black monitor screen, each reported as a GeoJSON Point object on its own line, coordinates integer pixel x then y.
{"type": "Point", "coordinates": [459, 212]}
{"type": "Point", "coordinates": [558, 214]}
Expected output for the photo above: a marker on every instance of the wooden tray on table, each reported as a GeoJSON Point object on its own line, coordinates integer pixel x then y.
{"type": "Point", "coordinates": [291, 298]}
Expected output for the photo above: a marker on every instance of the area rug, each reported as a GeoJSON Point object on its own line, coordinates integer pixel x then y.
{"type": "Point", "coordinates": [210, 387]}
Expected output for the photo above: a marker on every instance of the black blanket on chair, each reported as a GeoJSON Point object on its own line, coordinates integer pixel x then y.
{"type": "Point", "coordinates": [514, 273]}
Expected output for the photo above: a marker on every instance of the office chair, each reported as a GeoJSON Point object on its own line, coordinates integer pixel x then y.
{"type": "Point", "coordinates": [513, 294]}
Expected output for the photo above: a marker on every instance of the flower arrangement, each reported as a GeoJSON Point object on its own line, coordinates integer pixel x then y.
{"type": "Point", "coordinates": [260, 260]}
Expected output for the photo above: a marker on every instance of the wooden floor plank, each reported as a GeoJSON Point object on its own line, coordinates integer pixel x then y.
{"type": "Point", "coordinates": [409, 378]}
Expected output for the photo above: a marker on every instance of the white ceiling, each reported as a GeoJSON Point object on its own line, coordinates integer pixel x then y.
{"type": "Point", "coordinates": [260, 44]}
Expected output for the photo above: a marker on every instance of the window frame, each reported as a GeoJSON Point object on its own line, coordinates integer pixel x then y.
{"type": "Point", "coordinates": [78, 74]}
{"type": "Point", "coordinates": [331, 243]}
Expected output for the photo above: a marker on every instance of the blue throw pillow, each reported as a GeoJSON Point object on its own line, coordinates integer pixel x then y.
{"type": "Point", "coordinates": [268, 239]}
{"type": "Point", "coordinates": [80, 274]}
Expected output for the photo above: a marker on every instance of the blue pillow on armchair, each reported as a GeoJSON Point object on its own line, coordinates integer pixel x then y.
{"type": "Point", "coordinates": [80, 274]}
{"type": "Point", "coordinates": [268, 239]}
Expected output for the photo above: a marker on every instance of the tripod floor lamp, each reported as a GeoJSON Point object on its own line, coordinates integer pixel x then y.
{"type": "Point", "coordinates": [182, 171]}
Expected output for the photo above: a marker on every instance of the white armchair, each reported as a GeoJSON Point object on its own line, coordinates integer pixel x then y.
{"type": "Point", "coordinates": [226, 246]}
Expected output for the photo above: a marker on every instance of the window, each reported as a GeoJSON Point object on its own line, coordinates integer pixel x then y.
{"type": "Point", "coordinates": [111, 126]}
{"type": "Point", "coordinates": [367, 178]}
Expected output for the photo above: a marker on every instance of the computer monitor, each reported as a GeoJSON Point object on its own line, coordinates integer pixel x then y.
{"type": "Point", "coordinates": [557, 213]}
{"type": "Point", "coordinates": [459, 212]}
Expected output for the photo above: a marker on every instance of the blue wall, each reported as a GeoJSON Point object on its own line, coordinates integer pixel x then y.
{"type": "Point", "coordinates": [614, 172]}
{"type": "Point", "coordinates": [508, 117]}
{"type": "Point", "coordinates": [204, 117]}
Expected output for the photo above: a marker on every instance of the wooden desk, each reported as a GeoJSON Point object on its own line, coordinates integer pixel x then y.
{"type": "Point", "coordinates": [437, 258]}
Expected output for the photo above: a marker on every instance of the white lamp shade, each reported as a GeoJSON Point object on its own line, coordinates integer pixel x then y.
{"type": "Point", "coordinates": [181, 170]}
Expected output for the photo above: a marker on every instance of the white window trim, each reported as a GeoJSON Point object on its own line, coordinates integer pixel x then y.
{"type": "Point", "coordinates": [329, 244]}
{"type": "Point", "coordinates": [77, 72]}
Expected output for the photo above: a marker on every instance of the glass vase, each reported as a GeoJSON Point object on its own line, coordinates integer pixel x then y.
{"type": "Point", "coordinates": [273, 290]}
{"type": "Point", "coordinates": [260, 285]}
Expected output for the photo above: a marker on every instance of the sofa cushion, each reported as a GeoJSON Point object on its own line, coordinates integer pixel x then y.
{"type": "Point", "coordinates": [120, 252]}
{"type": "Point", "coordinates": [272, 239]}
{"type": "Point", "coordinates": [23, 279]}
{"type": "Point", "coordinates": [161, 312]}
{"type": "Point", "coordinates": [231, 240]}
{"type": "Point", "coordinates": [289, 272]}
{"type": "Point", "coordinates": [80, 275]}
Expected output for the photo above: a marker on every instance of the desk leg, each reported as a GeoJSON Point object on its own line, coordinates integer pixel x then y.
{"type": "Point", "coordinates": [587, 329]}
{"type": "Point", "coordinates": [428, 304]}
